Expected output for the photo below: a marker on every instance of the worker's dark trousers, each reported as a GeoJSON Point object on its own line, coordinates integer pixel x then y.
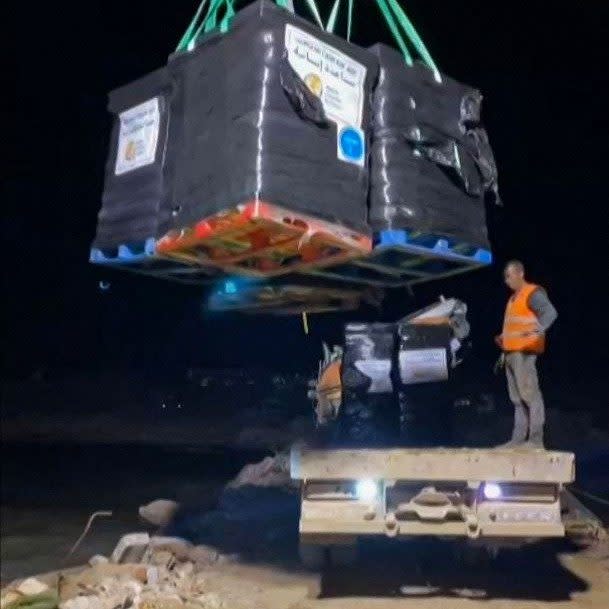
{"type": "Point", "coordinates": [523, 387]}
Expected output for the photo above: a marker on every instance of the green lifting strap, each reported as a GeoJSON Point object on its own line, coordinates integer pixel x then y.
{"type": "Point", "coordinates": [349, 20]}
{"type": "Point", "coordinates": [332, 19]}
{"type": "Point", "coordinates": [334, 14]}
{"type": "Point", "coordinates": [183, 44]}
{"type": "Point", "coordinates": [212, 18]}
{"type": "Point", "coordinates": [315, 12]}
{"type": "Point", "coordinates": [209, 23]}
{"type": "Point", "coordinates": [388, 15]}
{"type": "Point", "coordinates": [414, 38]}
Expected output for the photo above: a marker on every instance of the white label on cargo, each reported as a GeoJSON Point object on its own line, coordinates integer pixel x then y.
{"type": "Point", "coordinates": [333, 76]}
{"type": "Point", "coordinates": [379, 372]}
{"type": "Point", "coordinates": [423, 366]}
{"type": "Point", "coordinates": [138, 136]}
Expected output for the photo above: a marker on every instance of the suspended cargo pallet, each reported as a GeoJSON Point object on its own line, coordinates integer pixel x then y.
{"type": "Point", "coordinates": [142, 257]}
{"type": "Point", "coordinates": [262, 240]}
{"type": "Point", "coordinates": [403, 258]}
{"type": "Point", "coordinates": [291, 296]}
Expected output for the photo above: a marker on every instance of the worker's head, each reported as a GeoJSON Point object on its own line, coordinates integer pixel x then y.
{"type": "Point", "coordinates": [514, 275]}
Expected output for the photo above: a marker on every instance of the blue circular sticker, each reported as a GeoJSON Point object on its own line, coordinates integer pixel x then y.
{"type": "Point", "coordinates": [351, 144]}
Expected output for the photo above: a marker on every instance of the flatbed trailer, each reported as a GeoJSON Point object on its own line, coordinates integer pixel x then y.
{"type": "Point", "coordinates": [482, 494]}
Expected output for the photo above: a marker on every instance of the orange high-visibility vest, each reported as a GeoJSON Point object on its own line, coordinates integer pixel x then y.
{"type": "Point", "coordinates": [519, 320]}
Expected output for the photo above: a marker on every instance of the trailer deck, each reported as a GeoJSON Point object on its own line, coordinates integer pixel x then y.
{"type": "Point", "coordinates": [465, 464]}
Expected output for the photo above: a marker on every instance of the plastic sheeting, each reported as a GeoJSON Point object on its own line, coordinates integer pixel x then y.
{"type": "Point", "coordinates": [368, 357]}
{"type": "Point", "coordinates": [370, 412]}
{"type": "Point", "coordinates": [251, 129]}
{"type": "Point", "coordinates": [431, 163]}
{"type": "Point", "coordinates": [136, 202]}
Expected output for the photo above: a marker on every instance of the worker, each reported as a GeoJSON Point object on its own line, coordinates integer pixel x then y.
{"type": "Point", "coordinates": [528, 316]}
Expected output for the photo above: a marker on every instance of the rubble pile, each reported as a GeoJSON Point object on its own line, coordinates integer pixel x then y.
{"type": "Point", "coordinates": [148, 573]}
{"type": "Point", "coordinates": [166, 576]}
{"type": "Point", "coordinates": [271, 471]}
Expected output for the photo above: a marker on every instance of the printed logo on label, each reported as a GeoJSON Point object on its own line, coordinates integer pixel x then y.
{"type": "Point", "coordinates": [351, 145]}
{"type": "Point", "coordinates": [315, 84]}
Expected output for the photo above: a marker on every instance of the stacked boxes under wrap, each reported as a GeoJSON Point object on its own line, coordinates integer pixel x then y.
{"type": "Point", "coordinates": [370, 412]}
{"type": "Point", "coordinates": [430, 158]}
{"type": "Point", "coordinates": [136, 202]}
{"type": "Point", "coordinates": [250, 129]}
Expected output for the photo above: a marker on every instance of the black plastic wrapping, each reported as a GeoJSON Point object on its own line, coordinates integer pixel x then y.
{"type": "Point", "coordinates": [368, 357]}
{"type": "Point", "coordinates": [250, 128]}
{"type": "Point", "coordinates": [431, 163]}
{"type": "Point", "coordinates": [136, 202]}
{"type": "Point", "coordinates": [423, 353]}
{"type": "Point", "coordinates": [370, 412]}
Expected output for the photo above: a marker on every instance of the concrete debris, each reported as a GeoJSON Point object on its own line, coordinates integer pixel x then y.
{"type": "Point", "coordinates": [204, 555]}
{"type": "Point", "coordinates": [177, 546]}
{"type": "Point", "coordinates": [162, 602]}
{"type": "Point", "coordinates": [32, 587]}
{"type": "Point", "coordinates": [9, 598]}
{"type": "Point", "coordinates": [210, 601]}
{"type": "Point", "coordinates": [163, 558]}
{"type": "Point", "coordinates": [159, 513]}
{"type": "Point", "coordinates": [271, 471]}
{"type": "Point", "coordinates": [83, 602]}
{"type": "Point", "coordinates": [168, 576]}
{"type": "Point", "coordinates": [103, 579]}
{"type": "Point", "coordinates": [131, 548]}
{"type": "Point", "coordinates": [184, 570]}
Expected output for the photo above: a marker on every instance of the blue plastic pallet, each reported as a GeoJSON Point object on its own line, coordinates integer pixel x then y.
{"type": "Point", "coordinates": [141, 257]}
{"type": "Point", "coordinates": [401, 258]}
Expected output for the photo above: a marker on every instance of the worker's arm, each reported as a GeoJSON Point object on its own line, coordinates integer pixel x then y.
{"type": "Point", "coordinates": [542, 307]}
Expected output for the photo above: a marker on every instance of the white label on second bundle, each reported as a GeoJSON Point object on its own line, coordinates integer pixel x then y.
{"type": "Point", "coordinates": [334, 77]}
{"type": "Point", "coordinates": [138, 136]}
{"type": "Point", "coordinates": [423, 366]}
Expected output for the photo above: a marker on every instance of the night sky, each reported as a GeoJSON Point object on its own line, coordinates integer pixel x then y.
{"type": "Point", "coordinates": [545, 85]}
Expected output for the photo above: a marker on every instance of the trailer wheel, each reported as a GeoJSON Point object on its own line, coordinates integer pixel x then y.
{"type": "Point", "coordinates": [343, 555]}
{"type": "Point", "coordinates": [313, 555]}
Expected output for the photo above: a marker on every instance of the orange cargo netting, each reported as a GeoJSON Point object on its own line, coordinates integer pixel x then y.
{"type": "Point", "coordinates": [262, 240]}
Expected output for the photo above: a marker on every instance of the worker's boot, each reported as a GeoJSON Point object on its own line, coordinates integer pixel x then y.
{"type": "Point", "coordinates": [513, 443]}
{"type": "Point", "coordinates": [535, 440]}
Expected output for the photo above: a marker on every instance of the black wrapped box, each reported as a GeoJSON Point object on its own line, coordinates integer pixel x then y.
{"type": "Point", "coordinates": [251, 129]}
{"type": "Point", "coordinates": [370, 411]}
{"type": "Point", "coordinates": [430, 159]}
{"type": "Point", "coordinates": [136, 202]}
{"type": "Point", "coordinates": [368, 357]}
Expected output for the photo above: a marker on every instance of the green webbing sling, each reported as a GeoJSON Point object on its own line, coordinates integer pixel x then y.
{"type": "Point", "coordinates": [397, 21]}
{"type": "Point", "coordinates": [414, 38]}
{"type": "Point", "coordinates": [210, 21]}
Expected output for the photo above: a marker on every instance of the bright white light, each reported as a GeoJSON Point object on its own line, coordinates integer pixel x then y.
{"type": "Point", "coordinates": [492, 490]}
{"type": "Point", "coordinates": [366, 490]}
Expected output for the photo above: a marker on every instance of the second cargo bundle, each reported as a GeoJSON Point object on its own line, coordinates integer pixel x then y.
{"type": "Point", "coordinates": [430, 160]}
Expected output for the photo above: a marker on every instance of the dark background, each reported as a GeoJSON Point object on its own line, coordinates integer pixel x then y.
{"type": "Point", "coordinates": [540, 68]}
